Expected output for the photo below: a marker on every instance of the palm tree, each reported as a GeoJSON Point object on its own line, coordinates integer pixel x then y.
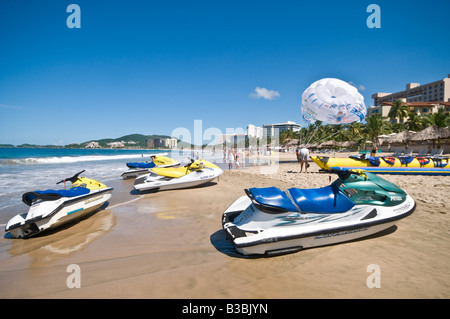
{"type": "Point", "coordinates": [354, 131]}
{"type": "Point", "coordinates": [398, 110]}
{"type": "Point", "coordinates": [287, 135]}
{"type": "Point", "coordinates": [439, 119]}
{"type": "Point", "coordinates": [311, 133]}
{"type": "Point", "coordinates": [340, 133]}
{"type": "Point", "coordinates": [415, 122]}
{"type": "Point", "coordinates": [375, 126]}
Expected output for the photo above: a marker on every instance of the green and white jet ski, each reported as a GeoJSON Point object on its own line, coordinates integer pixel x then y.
{"type": "Point", "coordinates": [268, 221]}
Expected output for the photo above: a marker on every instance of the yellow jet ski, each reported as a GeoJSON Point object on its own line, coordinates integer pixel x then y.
{"type": "Point", "coordinates": [196, 173]}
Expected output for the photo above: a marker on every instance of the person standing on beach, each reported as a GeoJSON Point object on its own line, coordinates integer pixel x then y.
{"type": "Point", "coordinates": [304, 157]}
{"type": "Point", "coordinates": [230, 159]}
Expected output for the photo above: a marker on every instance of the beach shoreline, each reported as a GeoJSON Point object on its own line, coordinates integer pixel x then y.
{"type": "Point", "coordinates": [170, 245]}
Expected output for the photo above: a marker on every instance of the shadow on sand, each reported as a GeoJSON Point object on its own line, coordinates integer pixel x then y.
{"type": "Point", "coordinates": [223, 245]}
{"type": "Point", "coordinates": [156, 190]}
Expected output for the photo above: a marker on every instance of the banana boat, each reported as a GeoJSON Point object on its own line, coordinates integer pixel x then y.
{"type": "Point", "coordinates": [388, 164]}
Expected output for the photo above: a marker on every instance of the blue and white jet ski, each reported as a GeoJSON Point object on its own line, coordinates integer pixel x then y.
{"type": "Point", "coordinates": [268, 221]}
{"type": "Point", "coordinates": [53, 208]}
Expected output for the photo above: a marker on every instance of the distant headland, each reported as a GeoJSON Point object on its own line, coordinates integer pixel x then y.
{"type": "Point", "coordinates": [131, 141]}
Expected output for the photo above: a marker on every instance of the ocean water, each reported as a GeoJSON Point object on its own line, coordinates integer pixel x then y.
{"type": "Point", "coordinates": [29, 169]}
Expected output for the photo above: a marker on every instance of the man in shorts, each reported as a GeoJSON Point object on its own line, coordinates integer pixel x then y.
{"type": "Point", "coordinates": [304, 157]}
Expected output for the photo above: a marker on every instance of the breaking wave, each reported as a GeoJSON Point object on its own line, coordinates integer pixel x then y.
{"type": "Point", "coordinates": [72, 159]}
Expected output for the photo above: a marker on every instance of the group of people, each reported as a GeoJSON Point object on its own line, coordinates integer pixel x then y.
{"type": "Point", "coordinates": [232, 156]}
{"type": "Point", "coordinates": [303, 157]}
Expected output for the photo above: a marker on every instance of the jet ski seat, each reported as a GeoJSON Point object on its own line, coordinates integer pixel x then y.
{"type": "Point", "coordinates": [271, 200]}
{"type": "Point", "coordinates": [141, 165]}
{"type": "Point", "coordinates": [327, 200]}
{"type": "Point", "coordinates": [50, 194]}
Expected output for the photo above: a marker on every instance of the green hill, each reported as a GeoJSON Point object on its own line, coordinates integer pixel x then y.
{"type": "Point", "coordinates": [129, 141]}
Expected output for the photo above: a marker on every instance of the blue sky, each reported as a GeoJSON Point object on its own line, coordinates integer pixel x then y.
{"type": "Point", "coordinates": [149, 67]}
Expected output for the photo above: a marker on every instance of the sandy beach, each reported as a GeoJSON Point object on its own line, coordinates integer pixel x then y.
{"type": "Point", "coordinates": [170, 244]}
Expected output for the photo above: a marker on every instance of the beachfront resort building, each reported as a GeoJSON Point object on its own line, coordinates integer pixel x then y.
{"type": "Point", "coordinates": [232, 140]}
{"type": "Point", "coordinates": [162, 143]}
{"type": "Point", "coordinates": [92, 144]}
{"type": "Point", "coordinates": [272, 130]}
{"type": "Point", "coordinates": [422, 99]}
{"type": "Point", "coordinates": [421, 108]}
{"type": "Point", "coordinates": [437, 91]}
{"type": "Point", "coordinates": [254, 131]}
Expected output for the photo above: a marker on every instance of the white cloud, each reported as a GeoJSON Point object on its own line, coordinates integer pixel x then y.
{"type": "Point", "coordinates": [264, 93]}
{"type": "Point", "coordinates": [360, 87]}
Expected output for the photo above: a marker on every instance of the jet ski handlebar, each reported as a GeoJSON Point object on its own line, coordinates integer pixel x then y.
{"type": "Point", "coordinates": [342, 173]}
{"type": "Point", "coordinates": [71, 179]}
{"type": "Point", "coordinates": [189, 164]}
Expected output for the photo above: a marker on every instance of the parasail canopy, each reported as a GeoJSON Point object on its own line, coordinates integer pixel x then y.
{"type": "Point", "coordinates": [332, 101]}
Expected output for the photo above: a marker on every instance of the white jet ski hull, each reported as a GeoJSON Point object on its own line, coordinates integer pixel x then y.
{"type": "Point", "coordinates": [153, 181]}
{"type": "Point", "coordinates": [45, 215]}
{"type": "Point", "coordinates": [133, 173]}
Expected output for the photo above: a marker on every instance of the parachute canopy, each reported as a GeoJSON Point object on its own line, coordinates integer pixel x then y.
{"type": "Point", "coordinates": [332, 101]}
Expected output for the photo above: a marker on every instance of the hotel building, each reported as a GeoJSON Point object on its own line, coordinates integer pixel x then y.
{"type": "Point", "coordinates": [274, 129]}
{"type": "Point", "coordinates": [430, 92]}
{"type": "Point", "coordinates": [162, 143]}
{"type": "Point", "coordinates": [423, 99]}
{"type": "Point", "coordinates": [254, 131]}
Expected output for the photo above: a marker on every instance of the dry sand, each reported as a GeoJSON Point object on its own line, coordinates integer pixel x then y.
{"type": "Point", "coordinates": [170, 245]}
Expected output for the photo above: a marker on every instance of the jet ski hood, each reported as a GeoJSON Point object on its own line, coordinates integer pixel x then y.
{"type": "Point", "coordinates": [352, 177]}
{"type": "Point", "coordinates": [177, 172]}
{"type": "Point", "coordinates": [80, 186]}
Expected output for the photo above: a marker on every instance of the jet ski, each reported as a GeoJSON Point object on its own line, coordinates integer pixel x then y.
{"type": "Point", "coordinates": [52, 208]}
{"type": "Point", "coordinates": [139, 168]}
{"type": "Point", "coordinates": [193, 174]}
{"type": "Point", "coordinates": [268, 221]}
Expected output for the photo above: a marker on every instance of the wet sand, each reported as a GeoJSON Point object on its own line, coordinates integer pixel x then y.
{"type": "Point", "coordinates": [170, 245]}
